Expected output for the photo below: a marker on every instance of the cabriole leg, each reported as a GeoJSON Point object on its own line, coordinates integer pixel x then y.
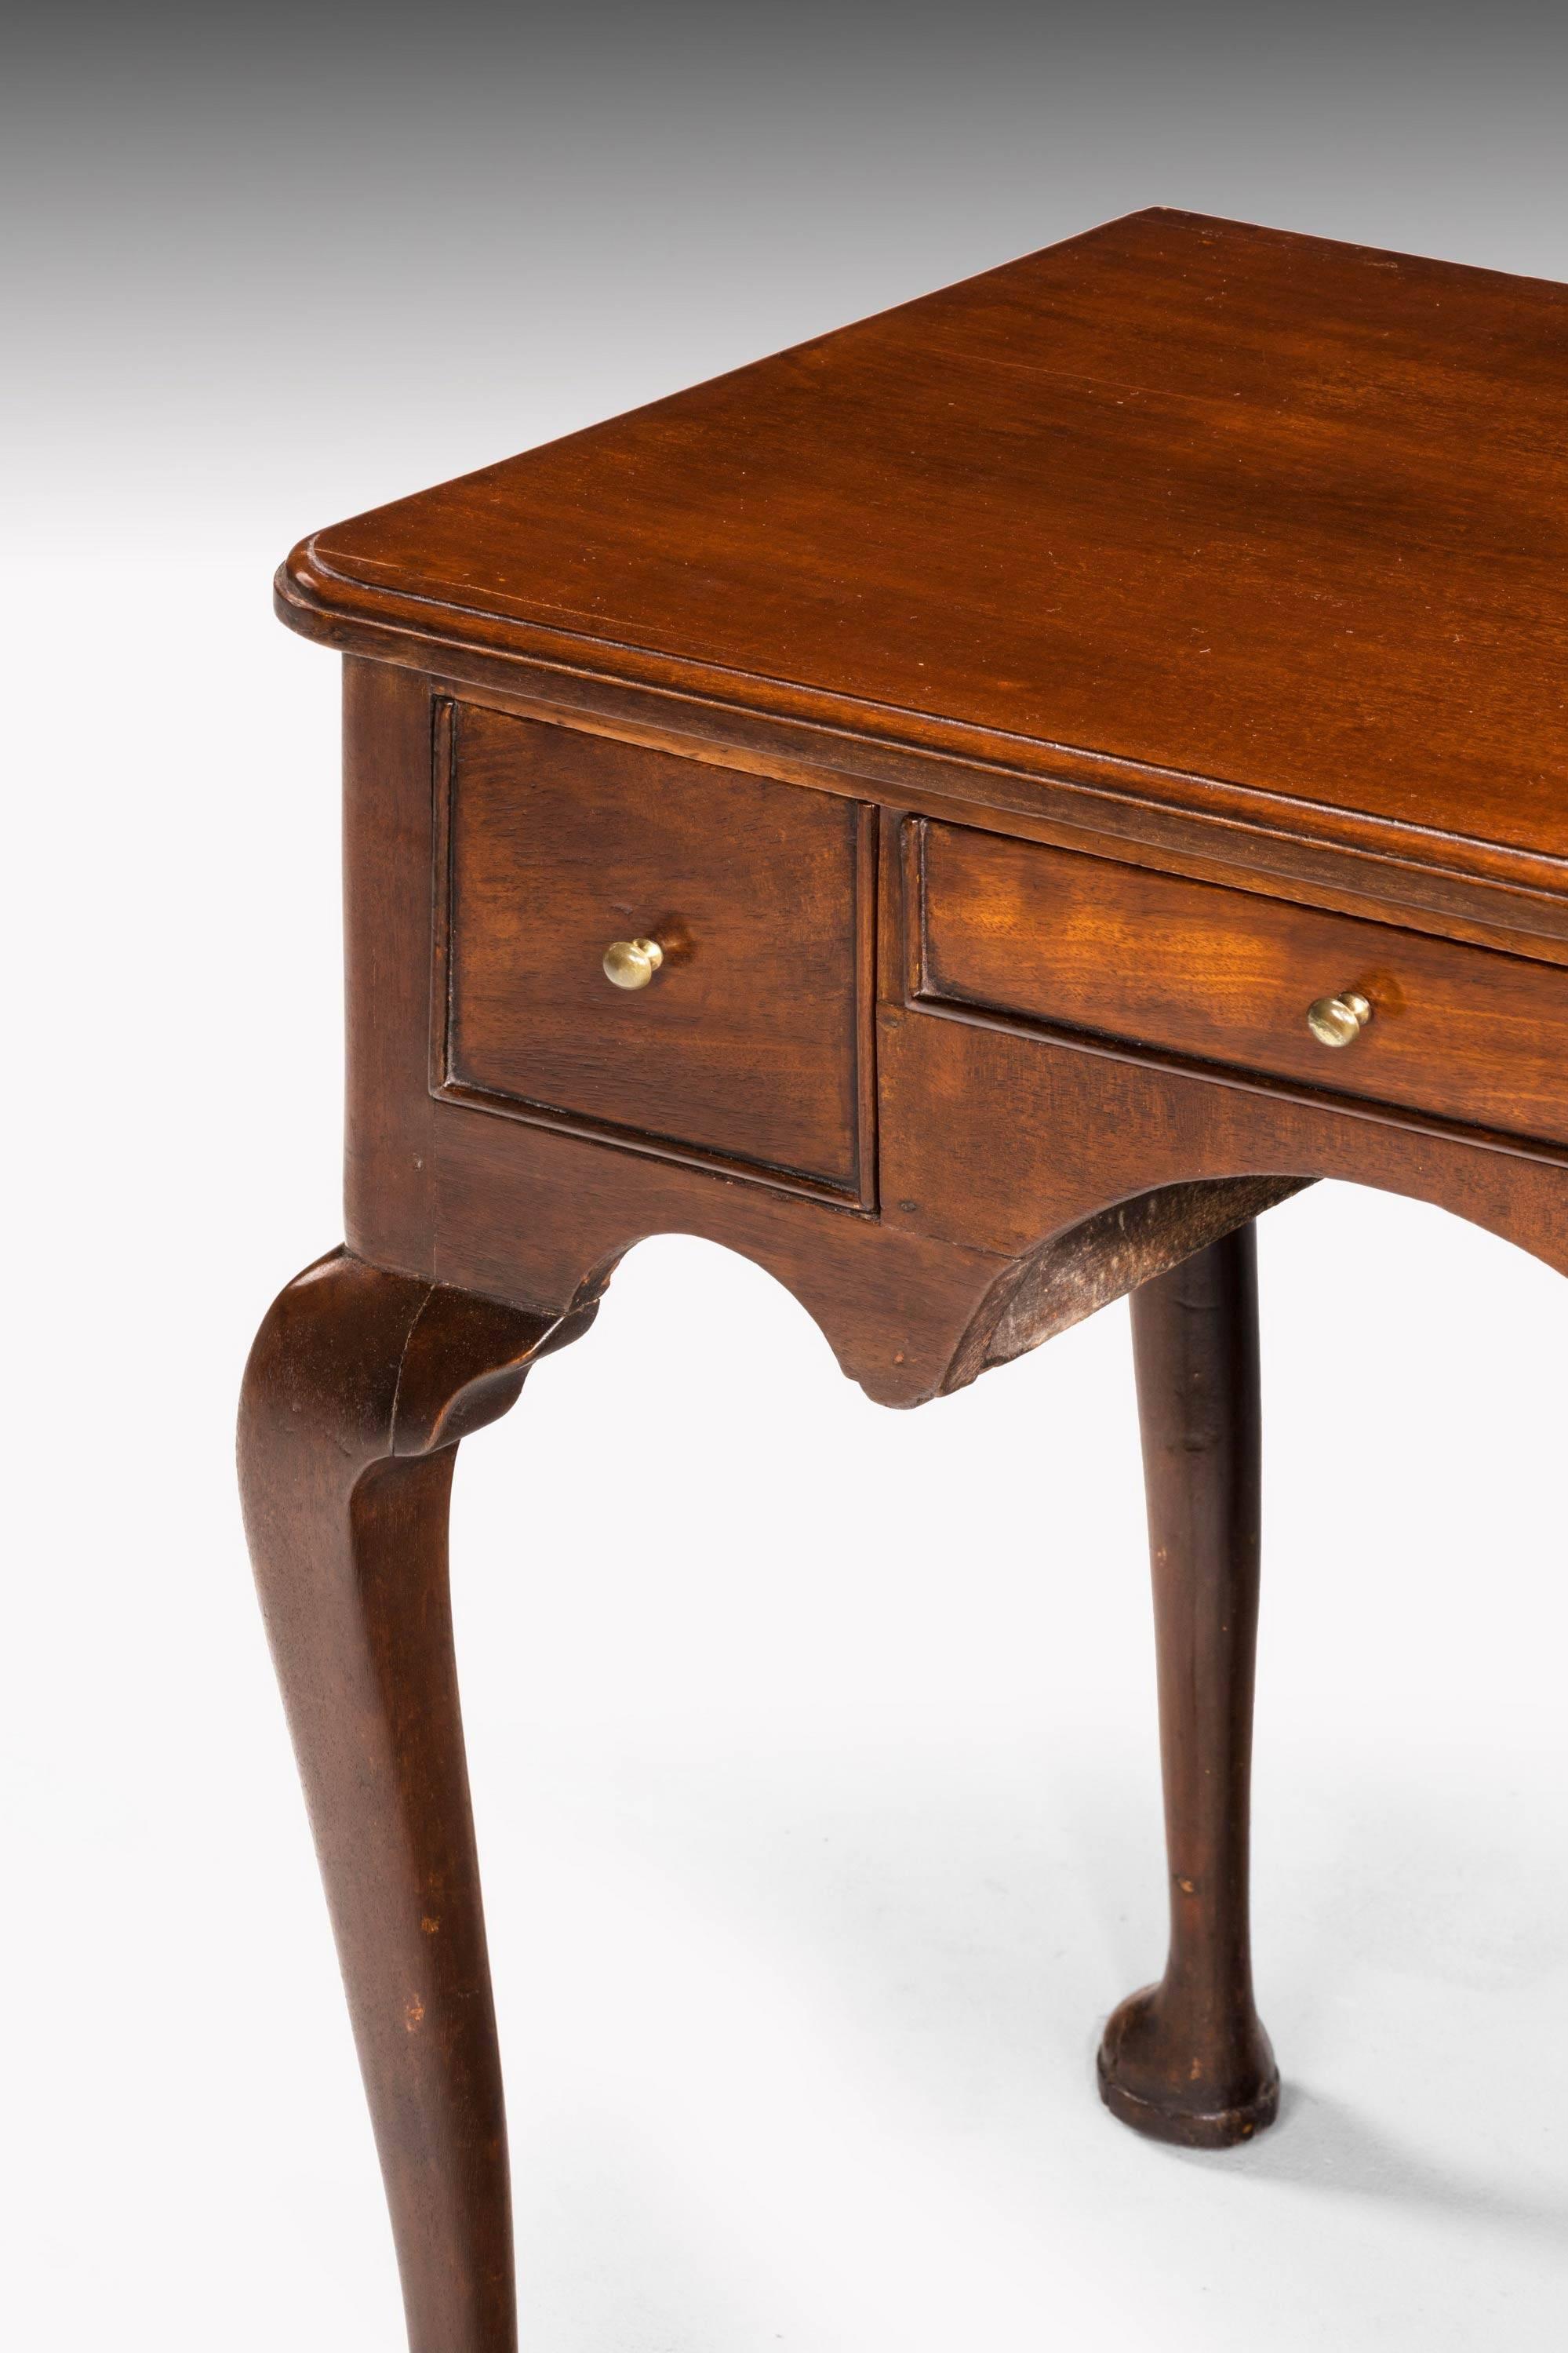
{"type": "Point", "coordinates": [358, 1387]}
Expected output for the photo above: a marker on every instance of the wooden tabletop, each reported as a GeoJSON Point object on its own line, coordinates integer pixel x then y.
{"type": "Point", "coordinates": [1236, 507]}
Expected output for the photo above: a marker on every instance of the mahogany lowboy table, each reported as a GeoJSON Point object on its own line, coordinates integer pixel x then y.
{"type": "Point", "coordinates": [967, 812]}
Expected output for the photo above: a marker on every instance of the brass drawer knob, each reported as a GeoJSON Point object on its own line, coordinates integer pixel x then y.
{"type": "Point", "coordinates": [1338, 1020]}
{"type": "Point", "coordinates": [631, 964]}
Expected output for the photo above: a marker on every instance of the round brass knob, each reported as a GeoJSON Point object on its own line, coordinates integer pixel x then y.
{"type": "Point", "coordinates": [631, 964]}
{"type": "Point", "coordinates": [1338, 1020]}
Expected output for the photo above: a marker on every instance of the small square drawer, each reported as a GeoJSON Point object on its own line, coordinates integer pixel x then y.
{"type": "Point", "coordinates": [744, 1045]}
{"type": "Point", "coordinates": [1463, 1034]}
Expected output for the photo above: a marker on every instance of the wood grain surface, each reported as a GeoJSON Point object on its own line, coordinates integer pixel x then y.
{"type": "Point", "coordinates": [359, 1387]}
{"type": "Point", "coordinates": [747, 1042]}
{"type": "Point", "coordinates": [1227, 977]}
{"type": "Point", "coordinates": [1258, 515]}
{"type": "Point", "coordinates": [1188, 2060]}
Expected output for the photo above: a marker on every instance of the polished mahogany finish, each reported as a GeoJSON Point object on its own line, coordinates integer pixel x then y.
{"type": "Point", "coordinates": [983, 735]}
{"type": "Point", "coordinates": [1250, 528]}
{"type": "Point", "coordinates": [1187, 2060]}
{"type": "Point", "coordinates": [359, 1387]}
{"type": "Point", "coordinates": [747, 1046]}
{"type": "Point", "coordinates": [1210, 976]}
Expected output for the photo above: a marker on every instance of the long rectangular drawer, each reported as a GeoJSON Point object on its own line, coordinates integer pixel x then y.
{"type": "Point", "coordinates": [1462, 1033]}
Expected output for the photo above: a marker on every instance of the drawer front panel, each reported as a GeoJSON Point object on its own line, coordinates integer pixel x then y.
{"type": "Point", "coordinates": [747, 1046]}
{"type": "Point", "coordinates": [1191, 968]}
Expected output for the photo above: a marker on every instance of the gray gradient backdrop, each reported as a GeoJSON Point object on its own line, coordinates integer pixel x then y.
{"type": "Point", "coordinates": [808, 1884]}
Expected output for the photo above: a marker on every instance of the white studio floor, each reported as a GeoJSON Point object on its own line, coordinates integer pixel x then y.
{"type": "Point", "coordinates": [817, 1789]}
